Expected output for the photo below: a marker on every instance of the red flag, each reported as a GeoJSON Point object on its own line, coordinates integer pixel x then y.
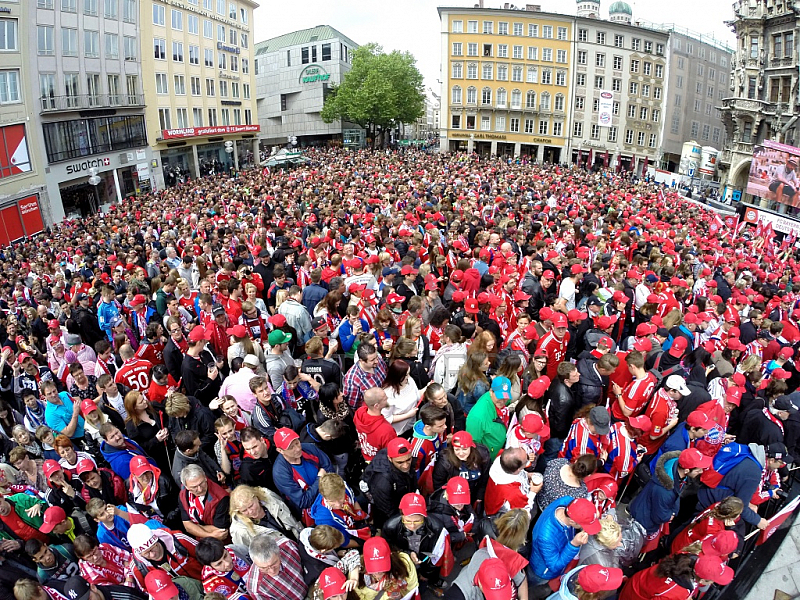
{"type": "Point", "coordinates": [442, 555]}
{"type": "Point", "coordinates": [776, 521]}
{"type": "Point", "coordinates": [513, 560]}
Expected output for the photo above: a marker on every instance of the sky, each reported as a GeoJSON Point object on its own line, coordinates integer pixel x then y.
{"type": "Point", "coordinates": [413, 25]}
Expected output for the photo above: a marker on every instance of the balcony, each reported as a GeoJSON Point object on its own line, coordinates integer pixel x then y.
{"type": "Point", "coordinates": [90, 101]}
{"type": "Point", "coordinates": [744, 104]}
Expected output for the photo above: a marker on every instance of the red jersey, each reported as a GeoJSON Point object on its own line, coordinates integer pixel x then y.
{"type": "Point", "coordinates": [556, 351]}
{"type": "Point", "coordinates": [135, 373]}
{"type": "Point", "coordinates": [661, 411]}
{"type": "Point", "coordinates": [188, 302]}
{"type": "Point", "coordinates": [151, 352]}
{"type": "Point", "coordinates": [634, 397]}
{"type": "Point", "coordinates": [703, 527]}
{"type": "Point", "coordinates": [647, 585]}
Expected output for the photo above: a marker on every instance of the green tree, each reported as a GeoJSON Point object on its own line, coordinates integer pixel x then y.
{"type": "Point", "coordinates": [380, 92]}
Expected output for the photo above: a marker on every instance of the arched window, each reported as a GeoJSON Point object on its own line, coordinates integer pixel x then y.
{"type": "Point", "coordinates": [544, 101]}
{"type": "Point", "coordinates": [530, 99]}
{"type": "Point", "coordinates": [502, 98]}
{"type": "Point", "coordinates": [472, 95]}
{"type": "Point", "coordinates": [516, 99]}
{"type": "Point", "coordinates": [456, 95]}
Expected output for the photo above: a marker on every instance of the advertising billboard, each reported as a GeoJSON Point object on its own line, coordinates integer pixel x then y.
{"type": "Point", "coordinates": [774, 173]}
{"type": "Point", "coordinates": [606, 109]}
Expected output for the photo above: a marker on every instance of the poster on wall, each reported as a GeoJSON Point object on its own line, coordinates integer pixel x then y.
{"type": "Point", "coordinates": [605, 108]}
{"type": "Point", "coordinates": [774, 173]}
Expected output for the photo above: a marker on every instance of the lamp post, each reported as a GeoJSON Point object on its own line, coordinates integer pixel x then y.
{"type": "Point", "coordinates": [94, 180]}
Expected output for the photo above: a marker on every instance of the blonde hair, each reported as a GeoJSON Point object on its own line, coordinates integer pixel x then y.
{"type": "Point", "coordinates": [176, 404]}
{"type": "Point", "coordinates": [242, 496]}
{"type": "Point", "coordinates": [332, 486]}
{"type": "Point", "coordinates": [280, 296]}
{"type": "Point", "coordinates": [512, 528]}
{"type": "Point", "coordinates": [609, 534]}
{"type": "Point", "coordinates": [409, 325]}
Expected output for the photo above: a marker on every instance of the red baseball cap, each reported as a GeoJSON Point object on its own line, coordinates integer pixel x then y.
{"type": "Point", "coordinates": [393, 298]}
{"type": "Point", "coordinates": [285, 436]}
{"type": "Point", "coordinates": [199, 333]}
{"type": "Point", "coordinates": [377, 556]}
{"type": "Point", "coordinates": [530, 332]}
{"type": "Point", "coordinates": [277, 320]}
{"type": "Point", "coordinates": [721, 544]}
{"type": "Point", "coordinates": [413, 504]}
{"type": "Point", "coordinates": [548, 275]}
{"type": "Point", "coordinates": [88, 406]}
{"type": "Point", "coordinates": [643, 345]}
{"type": "Point", "coordinates": [533, 423]}
{"type": "Point", "coordinates": [160, 585]}
{"type": "Point", "coordinates": [697, 418]}
{"type": "Point", "coordinates": [584, 513]}
{"type": "Point", "coordinates": [494, 580]}
{"type": "Point", "coordinates": [576, 315]}
{"type": "Point", "coordinates": [331, 581]}
{"type": "Point", "coordinates": [408, 270]}
{"type": "Point", "coordinates": [559, 320]}
{"type": "Point", "coordinates": [598, 578]}
{"type": "Point", "coordinates": [471, 306]}
{"type": "Point", "coordinates": [781, 374]}
{"type": "Point", "coordinates": [85, 466]}
{"type": "Point", "coordinates": [458, 491]}
{"type": "Point", "coordinates": [52, 517]}
{"type": "Point", "coordinates": [397, 447]}
{"type": "Point", "coordinates": [692, 458]}
{"type": "Point", "coordinates": [239, 331]}
{"type": "Point", "coordinates": [643, 329]}
{"type": "Point", "coordinates": [53, 324]}
{"type": "Point", "coordinates": [691, 319]}
{"type": "Point", "coordinates": [619, 296]}
{"type": "Point", "coordinates": [678, 347]}
{"type": "Point", "coordinates": [606, 341]}
{"type": "Point", "coordinates": [49, 467]}
{"type": "Point", "coordinates": [140, 465]}
{"type": "Point", "coordinates": [462, 439]}
{"type": "Point", "coordinates": [787, 352]}
{"type": "Point", "coordinates": [642, 422]}
{"type": "Point", "coordinates": [577, 268]}
{"type": "Point", "coordinates": [712, 568]}
{"type": "Point", "coordinates": [734, 395]}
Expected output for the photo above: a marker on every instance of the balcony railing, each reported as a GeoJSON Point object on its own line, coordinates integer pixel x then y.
{"type": "Point", "coordinates": [84, 101]}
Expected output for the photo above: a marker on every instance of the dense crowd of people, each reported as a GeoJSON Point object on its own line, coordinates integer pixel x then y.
{"type": "Point", "coordinates": [389, 374]}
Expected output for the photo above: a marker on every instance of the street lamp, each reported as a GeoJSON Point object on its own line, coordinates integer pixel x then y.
{"type": "Point", "coordinates": [94, 180]}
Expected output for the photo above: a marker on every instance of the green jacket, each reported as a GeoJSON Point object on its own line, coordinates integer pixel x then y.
{"type": "Point", "coordinates": [161, 303]}
{"type": "Point", "coordinates": [23, 502]}
{"type": "Point", "coordinates": [485, 426]}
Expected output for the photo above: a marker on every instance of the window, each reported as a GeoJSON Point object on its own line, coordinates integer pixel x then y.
{"type": "Point", "coordinates": [457, 49]}
{"type": "Point", "coordinates": [456, 122]}
{"type": "Point", "coordinates": [488, 27]}
{"type": "Point", "coordinates": [517, 53]}
{"type": "Point", "coordinates": [643, 112]}
{"type": "Point", "coordinates": [159, 15]}
{"type": "Point", "coordinates": [45, 4]}
{"type": "Point", "coordinates": [561, 56]}
{"type": "Point", "coordinates": [197, 117]}
{"type": "Point", "coordinates": [182, 115]}
{"type": "Point", "coordinates": [612, 134]}
{"type": "Point", "coordinates": [111, 45]}
{"type": "Point", "coordinates": [631, 111]}
{"type": "Point", "coordinates": [559, 102]}
{"type": "Point", "coordinates": [208, 29]}
{"type": "Point", "coordinates": [163, 119]}
{"type": "Point", "coordinates": [69, 42]}
{"type": "Point", "coordinates": [502, 73]}
{"type": "Point", "coordinates": [616, 85]}
{"type": "Point", "coordinates": [69, 5]}
{"type": "Point", "coordinates": [110, 9]}
{"type": "Point", "coordinates": [47, 90]}
{"type": "Point", "coordinates": [615, 109]}
{"type": "Point", "coordinates": [44, 40]}
{"type": "Point", "coordinates": [232, 36]}
{"type": "Point", "coordinates": [472, 71]}
{"type": "Point", "coordinates": [197, 89]}
{"type": "Point", "coordinates": [513, 125]}
{"type": "Point", "coordinates": [600, 60]}
{"type": "Point", "coordinates": [647, 68]}
{"type": "Point", "coordinates": [162, 86]}
{"type": "Point", "coordinates": [577, 129]}
{"type": "Point", "coordinates": [660, 71]}
{"type": "Point", "coordinates": [529, 126]}
{"type": "Point", "coordinates": [234, 89]}
{"type": "Point", "coordinates": [679, 82]}
{"type": "Point", "coordinates": [212, 117]}
{"type": "Point", "coordinates": [715, 135]}
{"type": "Point", "coordinates": [788, 45]}
{"type": "Point", "coordinates": [645, 90]}
{"type": "Point", "coordinates": [90, 7]}
{"type": "Point", "coordinates": [697, 105]}
{"type": "Point", "coordinates": [502, 98]}
{"type": "Point", "coordinates": [557, 128]}
{"type": "Point", "coordinates": [680, 60]}
{"type": "Point", "coordinates": [634, 66]}
{"type": "Point", "coordinates": [221, 33]}
{"type": "Point", "coordinates": [129, 11]}
{"type": "Point", "coordinates": [194, 55]}
{"type": "Point", "coordinates": [502, 50]}
{"type": "Point", "coordinates": [547, 77]}
{"type": "Point", "coordinates": [700, 70]}
{"type": "Point", "coordinates": [93, 87]}
{"type": "Point", "coordinates": [561, 33]}
{"type": "Point", "coordinates": [223, 89]}
{"type": "Point", "coordinates": [455, 95]}
{"type": "Point", "coordinates": [458, 26]}
{"type": "Point", "coordinates": [640, 138]}
{"type": "Point", "coordinates": [678, 99]}
{"type": "Point", "coordinates": [698, 88]}
{"type": "Point", "coordinates": [636, 44]}
{"type": "Point", "coordinates": [472, 49]}
{"type": "Point", "coordinates": [85, 137]}
{"type": "Point", "coordinates": [246, 91]}
{"type": "Point", "coordinates": [547, 32]}
{"type": "Point", "coordinates": [234, 63]}
{"type": "Point", "coordinates": [487, 71]}
{"type": "Point", "coordinates": [753, 46]}
{"type": "Point", "coordinates": [533, 75]}
{"type": "Point", "coordinates": [457, 70]}
{"type": "Point", "coordinates": [177, 51]}
{"type": "Point", "coordinates": [561, 78]}
{"type": "Point", "coordinates": [747, 134]}
{"type": "Point", "coordinates": [487, 50]}
{"type": "Point", "coordinates": [676, 122]}
{"type": "Point", "coordinates": [543, 127]}
{"type": "Point", "coordinates": [617, 63]}
{"type": "Point", "coordinates": [595, 132]}
{"type": "Point", "coordinates": [580, 80]}
{"type": "Point", "coordinates": [472, 95]}
{"type": "Point", "coordinates": [544, 101]}
{"type": "Point", "coordinates": [208, 57]}
{"type": "Point", "coordinates": [160, 48]}
{"type": "Point", "coordinates": [580, 102]}
{"type": "Point", "coordinates": [326, 50]}
{"type": "Point", "coordinates": [9, 87]}
{"type": "Point", "coordinates": [486, 96]}
{"type": "Point", "coordinates": [660, 49]}
{"type": "Point", "coordinates": [710, 91]}
{"type": "Point", "coordinates": [193, 24]}
{"type": "Point", "coordinates": [472, 27]}
{"type": "Point", "coordinates": [516, 99]}
{"type": "Point", "coordinates": [533, 53]}
{"type": "Point", "coordinates": [71, 88]}
{"type": "Point", "coordinates": [599, 82]}
{"type": "Point", "coordinates": [648, 47]}
{"type": "Point", "coordinates": [131, 46]}
{"type": "Point", "coordinates": [500, 123]}
{"type": "Point", "coordinates": [209, 87]}
{"type": "Point", "coordinates": [516, 73]}
{"type": "Point", "coordinates": [695, 129]}
{"type": "Point", "coordinates": [619, 41]}
{"type": "Point", "coordinates": [657, 93]}
{"type": "Point", "coordinates": [530, 99]}
{"type": "Point", "coordinates": [222, 60]}
{"type": "Point", "coordinates": [601, 38]}
{"type": "Point", "coordinates": [708, 109]}
{"type": "Point", "coordinates": [583, 35]}
{"type": "Point", "coordinates": [706, 132]}
{"type": "Point", "coordinates": [502, 29]}
{"type": "Point", "coordinates": [751, 88]}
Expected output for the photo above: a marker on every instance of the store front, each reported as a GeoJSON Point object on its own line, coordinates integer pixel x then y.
{"type": "Point", "coordinates": [552, 155]}
{"type": "Point", "coordinates": [178, 165]}
{"type": "Point", "coordinates": [529, 150]}
{"type": "Point", "coordinates": [505, 149]}
{"type": "Point", "coordinates": [212, 157]}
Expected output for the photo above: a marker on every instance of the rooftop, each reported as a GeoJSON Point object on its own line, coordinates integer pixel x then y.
{"type": "Point", "coordinates": [303, 36]}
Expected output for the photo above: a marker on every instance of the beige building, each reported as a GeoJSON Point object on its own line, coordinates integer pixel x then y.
{"type": "Point", "coordinates": [199, 85]}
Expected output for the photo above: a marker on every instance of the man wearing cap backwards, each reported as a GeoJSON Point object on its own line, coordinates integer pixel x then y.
{"type": "Point", "coordinates": [388, 478]}
{"type": "Point", "coordinates": [488, 420]}
{"type": "Point", "coordinates": [277, 572]}
{"type": "Point", "coordinates": [660, 499]}
{"type": "Point", "coordinates": [555, 539]}
{"type": "Point", "coordinates": [298, 468]}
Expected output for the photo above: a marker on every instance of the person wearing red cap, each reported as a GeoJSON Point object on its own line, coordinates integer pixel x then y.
{"type": "Point", "coordinates": [717, 518]}
{"type": "Point", "coordinates": [386, 572]}
{"type": "Point", "coordinates": [334, 585]}
{"type": "Point", "coordinates": [160, 586]}
{"type": "Point", "coordinates": [660, 499]}
{"type": "Point", "coordinates": [199, 371]}
{"type": "Point", "coordinates": [297, 470]}
{"type": "Point", "coordinates": [555, 343]}
{"type": "Point", "coordinates": [388, 478]}
{"type": "Point", "coordinates": [452, 503]}
{"type": "Point", "coordinates": [530, 434]}
{"type": "Point", "coordinates": [569, 285]}
{"type": "Point", "coordinates": [686, 435]}
{"type": "Point", "coordinates": [588, 581]}
{"type": "Point", "coordinates": [676, 577]}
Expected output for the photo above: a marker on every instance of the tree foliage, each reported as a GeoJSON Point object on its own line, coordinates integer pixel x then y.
{"type": "Point", "coordinates": [380, 92]}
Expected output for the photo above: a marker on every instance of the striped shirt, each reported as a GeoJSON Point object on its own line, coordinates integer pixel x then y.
{"type": "Point", "coordinates": [288, 585]}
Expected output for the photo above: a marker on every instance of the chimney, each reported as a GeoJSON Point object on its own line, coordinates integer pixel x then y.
{"type": "Point", "coordinates": [505, 6]}
{"type": "Point", "coordinates": [533, 7]}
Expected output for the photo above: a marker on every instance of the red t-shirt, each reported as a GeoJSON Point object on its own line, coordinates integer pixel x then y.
{"type": "Point", "coordinates": [634, 397]}
{"type": "Point", "coordinates": [661, 411]}
{"type": "Point", "coordinates": [135, 373]}
{"type": "Point", "coordinates": [152, 353]}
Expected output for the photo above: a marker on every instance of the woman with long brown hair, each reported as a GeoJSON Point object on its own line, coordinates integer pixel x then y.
{"type": "Point", "coordinates": [145, 426]}
{"type": "Point", "coordinates": [472, 380]}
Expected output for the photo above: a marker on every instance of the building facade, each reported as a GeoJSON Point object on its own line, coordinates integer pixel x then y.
{"type": "Point", "coordinates": [506, 82]}
{"type": "Point", "coordinates": [294, 74]}
{"type": "Point", "coordinates": [24, 200]}
{"type": "Point", "coordinates": [199, 85]}
{"type": "Point", "coordinates": [762, 101]}
{"type": "Point", "coordinates": [619, 93]}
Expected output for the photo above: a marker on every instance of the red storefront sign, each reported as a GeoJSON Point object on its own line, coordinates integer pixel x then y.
{"type": "Point", "coordinates": [21, 219]}
{"type": "Point", "coordinates": [31, 215]}
{"type": "Point", "coordinates": [186, 132]}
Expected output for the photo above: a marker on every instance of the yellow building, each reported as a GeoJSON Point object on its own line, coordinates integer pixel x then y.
{"type": "Point", "coordinates": [506, 82]}
{"type": "Point", "coordinates": [199, 85]}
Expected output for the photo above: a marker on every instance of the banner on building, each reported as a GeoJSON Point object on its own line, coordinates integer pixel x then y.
{"type": "Point", "coordinates": [780, 223]}
{"type": "Point", "coordinates": [605, 108]}
{"type": "Point", "coordinates": [774, 173]}
{"type": "Point", "coordinates": [186, 132]}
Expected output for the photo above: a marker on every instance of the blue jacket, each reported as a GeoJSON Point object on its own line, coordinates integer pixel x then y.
{"type": "Point", "coordinates": [677, 440]}
{"type": "Point", "coordinates": [346, 335]}
{"type": "Point", "coordinates": [288, 477]}
{"type": "Point", "coordinates": [551, 550]}
{"type": "Point", "coordinates": [325, 516]}
{"type": "Point", "coordinates": [120, 460]}
{"type": "Point", "coordinates": [312, 295]}
{"type": "Point", "coordinates": [741, 481]}
{"type": "Point", "coordinates": [660, 499]}
{"type": "Point", "coordinates": [107, 312]}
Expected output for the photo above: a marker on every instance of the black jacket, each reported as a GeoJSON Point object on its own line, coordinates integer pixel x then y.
{"type": "Point", "coordinates": [173, 359]}
{"type": "Point", "coordinates": [439, 506]}
{"type": "Point", "coordinates": [530, 285]}
{"type": "Point", "coordinates": [563, 406]}
{"type": "Point", "coordinates": [199, 419]}
{"type": "Point", "coordinates": [88, 326]}
{"type": "Point", "coordinates": [444, 471]}
{"type": "Point", "coordinates": [196, 380]}
{"type": "Point", "coordinates": [397, 535]}
{"type": "Point", "coordinates": [387, 485]}
{"type": "Point", "coordinates": [591, 385]}
{"type": "Point", "coordinates": [747, 332]}
{"type": "Point", "coordinates": [759, 429]}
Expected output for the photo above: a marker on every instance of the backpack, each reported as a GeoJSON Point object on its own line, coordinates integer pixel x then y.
{"type": "Point", "coordinates": [726, 459]}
